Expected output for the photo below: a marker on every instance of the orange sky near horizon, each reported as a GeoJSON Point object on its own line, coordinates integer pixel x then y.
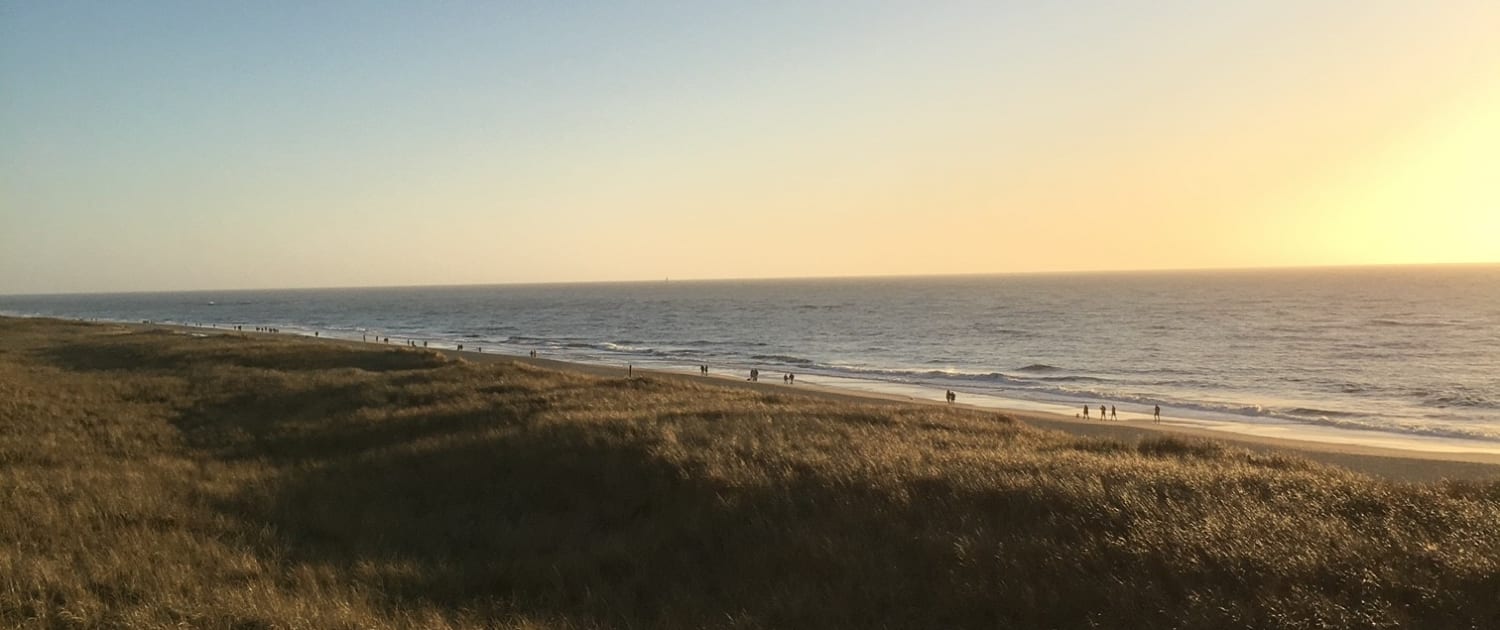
{"type": "Point", "coordinates": [165, 147]}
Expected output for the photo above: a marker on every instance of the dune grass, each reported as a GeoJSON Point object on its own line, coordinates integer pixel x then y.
{"type": "Point", "coordinates": [157, 479]}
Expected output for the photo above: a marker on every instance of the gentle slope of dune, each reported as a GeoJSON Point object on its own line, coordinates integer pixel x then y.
{"type": "Point", "coordinates": [155, 478]}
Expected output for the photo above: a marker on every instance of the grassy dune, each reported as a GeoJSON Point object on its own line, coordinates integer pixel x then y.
{"type": "Point", "coordinates": [154, 479]}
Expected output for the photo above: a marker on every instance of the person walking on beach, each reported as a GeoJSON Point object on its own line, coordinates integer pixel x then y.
{"type": "Point", "coordinates": [1156, 415]}
{"type": "Point", "coordinates": [1101, 412]}
{"type": "Point", "coordinates": [952, 396]}
{"type": "Point", "coordinates": [1112, 414]}
{"type": "Point", "coordinates": [791, 378]}
{"type": "Point", "coordinates": [1085, 412]}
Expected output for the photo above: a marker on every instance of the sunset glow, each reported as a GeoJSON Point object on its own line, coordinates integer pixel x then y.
{"type": "Point", "coordinates": [172, 147]}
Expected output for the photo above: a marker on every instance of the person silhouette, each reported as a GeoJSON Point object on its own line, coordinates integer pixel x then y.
{"type": "Point", "coordinates": [1156, 415]}
{"type": "Point", "coordinates": [1112, 414]}
{"type": "Point", "coordinates": [1085, 412]}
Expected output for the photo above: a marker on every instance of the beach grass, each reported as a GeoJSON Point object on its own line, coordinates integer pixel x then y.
{"type": "Point", "coordinates": [152, 478]}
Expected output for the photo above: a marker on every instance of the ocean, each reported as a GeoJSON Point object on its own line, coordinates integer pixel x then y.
{"type": "Point", "coordinates": [1392, 356]}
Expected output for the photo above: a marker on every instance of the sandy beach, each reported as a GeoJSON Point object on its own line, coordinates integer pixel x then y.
{"type": "Point", "coordinates": [1399, 464]}
{"type": "Point", "coordinates": [1396, 464]}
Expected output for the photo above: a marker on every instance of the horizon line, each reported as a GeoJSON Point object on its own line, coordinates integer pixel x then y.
{"type": "Point", "coordinates": [668, 279]}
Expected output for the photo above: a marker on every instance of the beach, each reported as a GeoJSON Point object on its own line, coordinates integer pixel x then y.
{"type": "Point", "coordinates": [1412, 460]}
{"type": "Point", "coordinates": [1408, 462]}
{"type": "Point", "coordinates": [170, 475]}
{"type": "Point", "coordinates": [1403, 464]}
{"type": "Point", "coordinates": [1383, 358]}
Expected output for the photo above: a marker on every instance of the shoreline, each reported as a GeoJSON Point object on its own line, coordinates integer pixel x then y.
{"type": "Point", "coordinates": [1378, 430]}
{"type": "Point", "coordinates": [1397, 464]}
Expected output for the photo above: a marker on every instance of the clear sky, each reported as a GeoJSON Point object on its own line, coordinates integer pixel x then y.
{"type": "Point", "coordinates": [201, 144]}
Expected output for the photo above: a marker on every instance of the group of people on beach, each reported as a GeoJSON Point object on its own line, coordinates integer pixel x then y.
{"type": "Point", "coordinates": [1102, 410]}
{"type": "Point", "coordinates": [1113, 415]}
{"type": "Point", "coordinates": [786, 379]}
{"type": "Point", "coordinates": [368, 338]}
{"type": "Point", "coordinates": [1105, 413]}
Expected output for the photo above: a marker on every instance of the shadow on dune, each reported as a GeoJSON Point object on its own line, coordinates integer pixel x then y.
{"type": "Point", "coordinates": [554, 522]}
{"type": "Point", "coordinates": [498, 511]}
{"type": "Point", "coordinates": [502, 510]}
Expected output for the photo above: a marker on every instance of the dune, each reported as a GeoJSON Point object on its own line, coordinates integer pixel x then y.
{"type": "Point", "coordinates": [164, 477]}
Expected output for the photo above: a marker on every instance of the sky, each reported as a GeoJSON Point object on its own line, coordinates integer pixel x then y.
{"type": "Point", "coordinates": [221, 145]}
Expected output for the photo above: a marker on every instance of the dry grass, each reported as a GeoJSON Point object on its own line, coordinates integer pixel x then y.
{"type": "Point", "coordinates": [153, 479]}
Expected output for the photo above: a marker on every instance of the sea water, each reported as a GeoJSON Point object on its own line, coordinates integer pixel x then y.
{"type": "Point", "coordinates": [1397, 356]}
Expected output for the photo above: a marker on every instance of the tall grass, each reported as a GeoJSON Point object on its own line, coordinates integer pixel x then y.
{"type": "Point", "coordinates": [155, 479]}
